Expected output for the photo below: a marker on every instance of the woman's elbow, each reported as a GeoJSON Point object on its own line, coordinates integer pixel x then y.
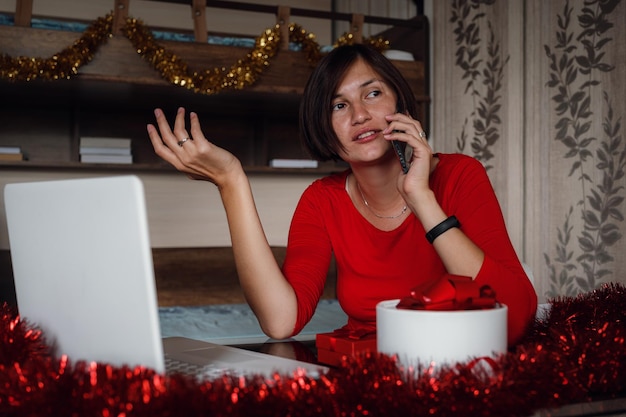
{"type": "Point", "coordinates": [278, 327]}
{"type": "Point", "coordinates": [277, 332]}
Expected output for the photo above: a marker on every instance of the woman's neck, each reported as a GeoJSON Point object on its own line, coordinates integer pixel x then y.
{"type": "Point", "coordinates": [379, 181]}
{"type": "Point", "coordinates": [374, 193]}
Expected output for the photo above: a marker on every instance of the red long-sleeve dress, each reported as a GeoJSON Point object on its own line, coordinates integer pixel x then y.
{"type": "Point", "coordinates": [375, 265]}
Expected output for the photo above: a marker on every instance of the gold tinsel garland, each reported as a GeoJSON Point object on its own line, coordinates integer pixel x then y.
{"type": "Point", "coordinates": [63, 64]}
{"type": "Point", "coordinates": [243, 73]}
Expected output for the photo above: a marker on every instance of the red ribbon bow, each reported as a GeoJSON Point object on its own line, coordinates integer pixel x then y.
{"type": "Point", "coordinates": [452, 292]}
{"type": "Point", "coordinates": [356, 334]}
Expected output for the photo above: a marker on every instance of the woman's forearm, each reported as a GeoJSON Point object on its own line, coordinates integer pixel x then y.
{"type": "Point", "coordinates": [458, 253]}
{"type": "Point", "coordinates": [268, 293]}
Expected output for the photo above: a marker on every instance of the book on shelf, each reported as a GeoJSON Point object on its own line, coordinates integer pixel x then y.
{"type": "Point", "coordinates": [105, 150]}
{"type": "Point", "coordinates": [11, 156]}
{"type": "Point", "coordinates": [92, 150]}
{"type": "Point", "coordinates": [104, 142]}
{"type": "Point", "coordinates": [293, 163]}
{"type": "Point", "coordinates": [106, 159]}
{"type": "Point", "coordinates": [10, 150]}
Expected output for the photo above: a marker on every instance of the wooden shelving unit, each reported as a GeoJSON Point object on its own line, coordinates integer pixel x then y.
{"type": "Point", "coordinates": [115, 94]}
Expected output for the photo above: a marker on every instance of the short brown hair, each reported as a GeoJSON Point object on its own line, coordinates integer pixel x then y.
{"type": "Point", "coordinates": [316, 129]}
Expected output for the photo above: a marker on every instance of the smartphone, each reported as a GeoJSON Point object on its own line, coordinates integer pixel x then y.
{"type": "Point", "coordinates": [404, 152]}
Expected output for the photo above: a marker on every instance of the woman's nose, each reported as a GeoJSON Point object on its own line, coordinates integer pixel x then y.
{"type": "Point", "coordinates": [359, 114]}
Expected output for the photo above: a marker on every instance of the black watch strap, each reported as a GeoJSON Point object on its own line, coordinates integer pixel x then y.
{"type": "Point", "coordinates": [441, 228]}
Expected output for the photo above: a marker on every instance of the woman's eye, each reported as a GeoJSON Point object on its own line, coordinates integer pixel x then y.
{"type": "Point", "coordinates": [374, 93]}
{"type": "Point", "coordinates": [338, 106]}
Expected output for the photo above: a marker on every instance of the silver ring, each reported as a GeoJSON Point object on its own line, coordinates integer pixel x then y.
{"type": "Point", "coordinates": [182, 142]}
{"type": "Point", "coordinates": [423, 134]}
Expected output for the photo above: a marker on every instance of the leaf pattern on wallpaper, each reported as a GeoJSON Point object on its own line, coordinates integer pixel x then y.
{"type": "Point", "coordinates": [484, 78]}
{"type": "Point", "coordinates": [575, 61]}
{"type": "Point", "coordinates": [561, 284]}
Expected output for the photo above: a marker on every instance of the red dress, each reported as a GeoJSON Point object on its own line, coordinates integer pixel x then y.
{"type": "Point", "coordinates": [375, 265]}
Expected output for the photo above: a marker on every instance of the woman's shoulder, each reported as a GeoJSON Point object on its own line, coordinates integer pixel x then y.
{"type": "Point", "coordinates": [457, 168]}
{"type": "Point", "coordinates": [452, 159]}
{"type": "Point", "coordinates": [328, 190]}
{"type": "Point", "coordinates": [457, 162]}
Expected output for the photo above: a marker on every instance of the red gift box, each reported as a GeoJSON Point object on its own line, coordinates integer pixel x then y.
{"type": "Point", "coordinates": [333, 346]}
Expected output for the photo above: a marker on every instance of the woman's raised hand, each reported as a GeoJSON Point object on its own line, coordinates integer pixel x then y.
{"type": "Point", "coordinates": [190, 152]}
{"type": "Point", "coordinates": [406, 129]}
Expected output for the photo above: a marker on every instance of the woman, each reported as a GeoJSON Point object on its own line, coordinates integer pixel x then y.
{"type": "Point", "coordinates": [373, 217]}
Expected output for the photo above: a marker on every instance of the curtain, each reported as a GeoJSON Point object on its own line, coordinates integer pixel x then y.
{"type": "Point", "coordinates": [535, 90]}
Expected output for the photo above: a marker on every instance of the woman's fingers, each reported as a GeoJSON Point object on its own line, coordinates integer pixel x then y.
{"type": "Point", "coordinates": [190, 154]}
{"type": "Point", "coordinates": [176, 138]}
{"type": "Point", "coordinates": [196, 131]}
{"type": "Point", "coordinates": [180, 131]}
{"type": "Point", "coordinates": [166, 143]}
{"type": "Point", "coordinates": [164, 128]}
{"type": "Point", "coordinates": [406, 129]}
{"type": "Point", "coordinates": [157, 143]}
{"type": "Point", "coordinates": [402, 122]}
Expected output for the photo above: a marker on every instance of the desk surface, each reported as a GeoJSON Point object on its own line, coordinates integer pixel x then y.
{"type": "Point", "coordinates": [614, 408]}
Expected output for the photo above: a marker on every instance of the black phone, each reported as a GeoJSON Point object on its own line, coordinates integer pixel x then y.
{"type": "Point", "coordinates": [404, 152]}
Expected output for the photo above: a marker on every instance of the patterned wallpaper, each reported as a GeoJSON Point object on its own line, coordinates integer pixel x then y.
{"type": "Point", "coordinates": [535, 90]}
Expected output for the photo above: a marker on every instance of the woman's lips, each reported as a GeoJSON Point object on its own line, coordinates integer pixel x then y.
{"type": "Point", "coordinates": [366, 136]}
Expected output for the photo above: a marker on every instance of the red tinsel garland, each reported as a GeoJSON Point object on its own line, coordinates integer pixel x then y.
{"type": "Point", "coordinates": [575, 354]}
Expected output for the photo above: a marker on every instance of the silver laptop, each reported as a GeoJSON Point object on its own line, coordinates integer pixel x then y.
{"type": "Point", "coordinates": [83, 270]}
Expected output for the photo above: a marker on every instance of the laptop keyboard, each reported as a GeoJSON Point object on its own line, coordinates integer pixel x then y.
{"type": "Point", "coordinates": [200, 372]}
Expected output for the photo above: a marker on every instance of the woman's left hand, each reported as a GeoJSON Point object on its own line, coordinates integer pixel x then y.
{"type": "Point", "coordinates": [406, 129]}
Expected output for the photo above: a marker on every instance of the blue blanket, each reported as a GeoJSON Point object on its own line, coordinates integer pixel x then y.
{"type": "Point", "coordinates": [237, 324]}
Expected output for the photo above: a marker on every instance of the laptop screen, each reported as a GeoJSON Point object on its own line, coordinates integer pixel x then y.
{"type": "Point", "coordinates": [83, 270]}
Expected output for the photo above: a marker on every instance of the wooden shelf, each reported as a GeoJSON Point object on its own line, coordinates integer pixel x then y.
{"type": "Point", "coordinates": [54, 165]}
{"type": "Point", "coordinates": [115, 94]}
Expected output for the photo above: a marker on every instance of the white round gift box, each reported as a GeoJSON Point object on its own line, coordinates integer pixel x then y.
{"type": "Point", "coordinates": [429, 337]}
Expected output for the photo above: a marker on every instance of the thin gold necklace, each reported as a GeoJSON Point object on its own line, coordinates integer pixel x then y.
{"type": "Point", "coordinates": [404, 209]}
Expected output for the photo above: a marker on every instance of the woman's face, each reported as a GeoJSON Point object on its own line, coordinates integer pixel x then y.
{"type": "Point", "coordinates": [359, 107]}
